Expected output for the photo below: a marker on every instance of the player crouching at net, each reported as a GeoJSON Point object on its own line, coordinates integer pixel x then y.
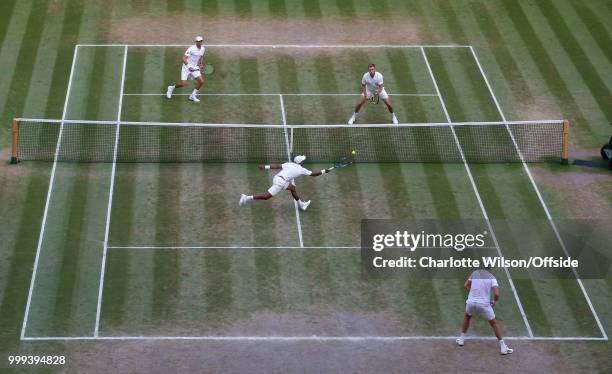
{"type": "Point", "coordinates": [192, 65]}
{"type": "Point", "coordinates": [283, 180]}
{"type": "Point", "coordinates": [372, 89]}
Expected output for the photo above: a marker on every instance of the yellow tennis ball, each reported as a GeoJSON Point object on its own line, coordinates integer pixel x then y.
{"type": "Point", "coordinates": [354, 152]}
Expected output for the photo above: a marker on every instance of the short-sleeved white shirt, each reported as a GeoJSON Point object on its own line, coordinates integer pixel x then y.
{"type": "Point", "coordinates": [193, 55]}
{"type": "Point", "coordinates": [480, 291]}
{"type": "Point", "coordinates": [292, 170]}
{"type": "Point", "coordinates": [370, 82]}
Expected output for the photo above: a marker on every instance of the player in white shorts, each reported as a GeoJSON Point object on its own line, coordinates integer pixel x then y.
{"type": "Point", "coordinates": [371, 84]}
{"type": "Point", "coordinates": [192, 66]}
{"type": "Point", "coordinates": [479, 286]}
{"type": "Point", "coordinates": [283, 180]}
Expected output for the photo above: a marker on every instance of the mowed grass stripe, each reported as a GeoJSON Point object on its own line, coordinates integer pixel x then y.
{"type": "Point", "coordinates": [595, 27]}
{"type": "Point", "coordinates": [556, 84]}
{"type": "Point", "coordinates": [16, 30]}
{"type": "Point", "coordinates": [6, 10]}
{"type": "Point", "coordinates": [312, 8]}
{"type": "Point", "coordinates": [21, 243]}
{"type": "Point", "coordinates": [589, 73]}
{"type": "Point", "coordinates": [167, 214]}
{"type": "Point", "coordinates": [40, 88]}
{"type": "Point", "coordinates": [508, 66]}
{"type": "Point", "coordinates": [22, 75]}
{"type": "Point", "coordinates": [583, 35]}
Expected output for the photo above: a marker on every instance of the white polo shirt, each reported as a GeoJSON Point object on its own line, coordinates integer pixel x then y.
{"type": "Point", "coordinates": [291, 170]}
{"type": "Point", "coordinates": [193, 55]}
{"type": "Point", "coordinates": [370, 82]}
{"type": "Point", "coordinates": [480, 291]}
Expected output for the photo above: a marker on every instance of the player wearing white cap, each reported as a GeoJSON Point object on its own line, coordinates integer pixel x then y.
{"type": "Point", "coordinates": [192, 64]}
{"type": "Point", "coordinates": [372, 84]}
{"type": "Point", "coordinates": [283, 180]}
{"type": "Point", "coordinates": [479, 286]}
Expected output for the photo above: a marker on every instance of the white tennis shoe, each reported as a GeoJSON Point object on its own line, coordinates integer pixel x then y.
{"type": "Point", "coordinates": [303, 204]}
{"type": "Point", "coordinates": [169, 92]}
{"type": "Point", "coordinates": [194, 98]}
{"type": "Point", "coordinates": [505, 350]}
{"type": "Point", "coordinates": [352, 119]}
{"type": "Point", "coordinates": [460, 341]}
{"type": "Point", "coordinates": [243, 200]}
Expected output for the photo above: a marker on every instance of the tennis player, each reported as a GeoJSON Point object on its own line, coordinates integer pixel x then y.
{"type": "Point", "coordinates": [372, 84]}
{"type": "Point", "coordinates": [479, 286]}
{"type": "Point", "coordinates": [283, 180]}
{"type": "Point", "coordinates": [192, 66]}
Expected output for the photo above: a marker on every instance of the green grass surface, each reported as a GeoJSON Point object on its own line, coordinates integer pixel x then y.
{"type": "Point", "coordinates": [544, 59]}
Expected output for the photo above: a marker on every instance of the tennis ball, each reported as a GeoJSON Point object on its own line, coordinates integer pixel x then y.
{"type": "Point", "coordinates": [353, 152]}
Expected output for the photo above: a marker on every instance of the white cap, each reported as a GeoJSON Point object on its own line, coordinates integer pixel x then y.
{"type": "Point", "coordinates": [198, 38]}
{"type": "Point", "coordinates": [299, 159]}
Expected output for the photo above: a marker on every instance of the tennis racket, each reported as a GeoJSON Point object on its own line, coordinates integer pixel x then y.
{"type": "Point", "coordinates": [342, 162]}
{"type": "Point", "coordinates": [375, 98]}
{"type": "Point", "coordinates": [208, 69]}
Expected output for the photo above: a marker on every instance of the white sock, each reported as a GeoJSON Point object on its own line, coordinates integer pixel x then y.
{"type": "Point", "coordinates": [501, 343]}
{"type": "Point", "coordinates": [462, 335]}
{"type": "Point", "coordinates": [194, 92]}
{"type": "Point", "coordinates": [249, 197]}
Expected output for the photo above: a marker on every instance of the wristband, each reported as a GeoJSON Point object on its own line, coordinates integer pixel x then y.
{"type": "Point", "coordinates": [267, 167]}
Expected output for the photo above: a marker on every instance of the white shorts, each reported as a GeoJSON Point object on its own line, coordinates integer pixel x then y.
{"type": "Point", "coordinates": [485, 310]}
{"type": "Point", "coordinates": [278, 184]}
{"type": "Point", "coordinates": [185, 73]}
{"type": "Point", "coordinates": [383, 94]}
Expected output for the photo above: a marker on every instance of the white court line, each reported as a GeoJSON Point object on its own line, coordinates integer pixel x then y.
{"type": "Point", "coordinates": [273, 94]}
{"type": "Point", "coordinates": [313, 338]}
{"type": "Point", "coordinates": [263, 247]}
{"type": "Point", "coordinates": [540, 198]}
{"type": "Point", "coordinates": [284, 45]}
{"type": "Point", "coordinates": [49, 192]}
{"type": "Point", "coordinates": [295, 204]}
{"type": "Point", "coordinates": [482, 207]}
{"type": "Point", "coordinates": [110, 196]}
{"type": "Point", "coordinates": [231, 247]}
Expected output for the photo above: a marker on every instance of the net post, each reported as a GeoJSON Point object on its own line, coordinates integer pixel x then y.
{"type": "Point", "coordinates": [565, 152]}
{"type": "Point", "coordinates": [15, 130]}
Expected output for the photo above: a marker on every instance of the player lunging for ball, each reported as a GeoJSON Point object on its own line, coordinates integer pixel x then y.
{"type": "Point", "coordinates": [192, 64]}
{"type": "Point", "coordinates": [479, 286]}
{"type": "Point", "coordinates": [372, 84]}
{"type": "Point", "coordinates": [283, 180]}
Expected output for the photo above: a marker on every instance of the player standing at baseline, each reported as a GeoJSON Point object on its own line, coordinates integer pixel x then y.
{"type": "Point", "coordinates": [283, 180]}
{"type": "Point", "coordinates": [372, 84]}
{"type": "Point", "coordinates": [192, 65]}
{"type": "Point", "coordinates": [479, 286]}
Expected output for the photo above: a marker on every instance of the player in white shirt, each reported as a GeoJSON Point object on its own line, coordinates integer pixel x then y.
{"type": "Point", "coordinates": [371, 84]}
{"type": "Point", "coordinates": [283, 180]}
{"type": "Point", "coordinates": [479, 286]}
{"type": "Point", "coordinates": [192, 66]}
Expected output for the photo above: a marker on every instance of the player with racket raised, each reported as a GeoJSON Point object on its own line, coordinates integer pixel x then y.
{"type": "Point", "coordinates": [284, 179]}
{"type": "Point", "coordinates": [192, 64]}
{"type": "Point", "coordinates": [372, 89]}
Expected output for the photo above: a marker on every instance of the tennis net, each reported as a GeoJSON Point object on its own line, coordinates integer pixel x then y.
{"type": "Point", "coordinates": [476, 142]}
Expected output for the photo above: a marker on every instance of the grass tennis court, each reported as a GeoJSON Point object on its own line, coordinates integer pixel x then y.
{"type": "Point", "coordinates": [158, 210]}
{"type": "Point", "coordinates": [154, 251]}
